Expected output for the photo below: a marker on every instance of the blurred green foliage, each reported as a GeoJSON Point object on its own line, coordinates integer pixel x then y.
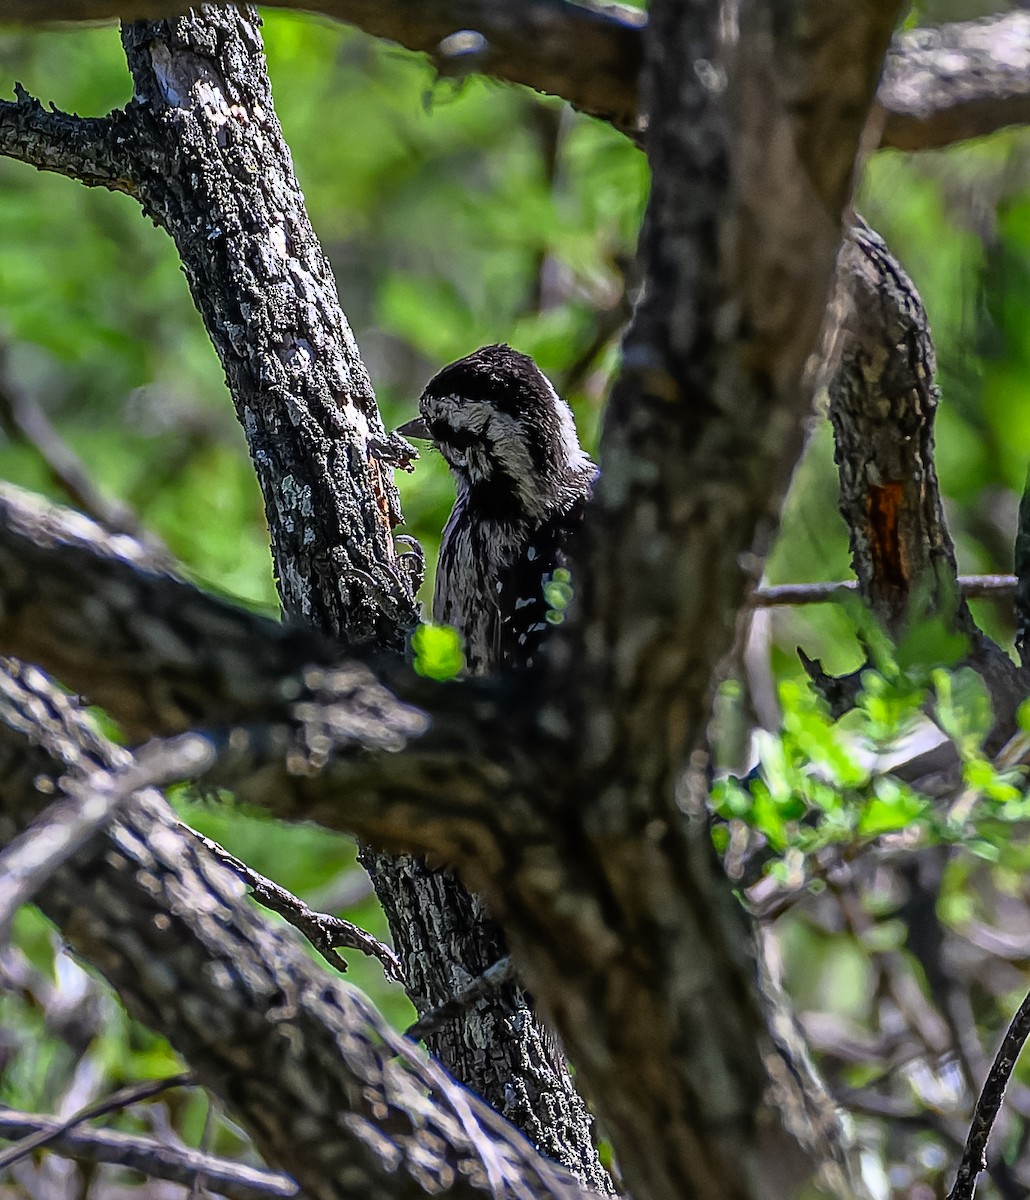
{"type": "Point", "coordinates": [438, 651]}
{"type": "Point", "coordinates": [456, 214]}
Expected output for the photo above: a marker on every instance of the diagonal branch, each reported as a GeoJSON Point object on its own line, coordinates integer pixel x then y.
{"type": "Point", "coordinates": [947, 83]}
{"type": "Point", "coordinates": [65, 827]}
{"type": "Point", "coordinates": [325, 932]}
{"type": "Point", "coordinates": [988, 1104]}
{"type": "Point", "coordinates": [98, 610]}
{"type": "Point", "coordinates": [330, 1093]}
{"type": "Point", "coordinates": [132, 1093]}
{"type": "Point", "coordinates": [295, 725]}
{"type": "Point", "coordinates": [204, 120]}
{"type": "Point", "coordinates": [90, 149]}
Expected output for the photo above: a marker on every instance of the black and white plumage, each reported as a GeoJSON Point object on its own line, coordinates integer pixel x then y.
{"type": "Point", "coordinates": [522, 485]}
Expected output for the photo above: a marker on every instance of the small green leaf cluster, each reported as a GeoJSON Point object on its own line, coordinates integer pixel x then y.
{"type": "Point", "coordinates": [821, 782]}
{"type": "Point", "coordinates": [558, 594]}
{"type": "Point", "coordinates": [438, 652]}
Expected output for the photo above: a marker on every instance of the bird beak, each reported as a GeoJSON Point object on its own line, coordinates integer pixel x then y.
{"type": "Point", "coordinates": [415, 429]}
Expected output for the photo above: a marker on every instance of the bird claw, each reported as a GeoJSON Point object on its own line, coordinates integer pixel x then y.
{"type": "Point", "coordinates": [411, 564]}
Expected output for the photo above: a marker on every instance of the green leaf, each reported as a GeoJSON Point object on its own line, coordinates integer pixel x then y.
{"type": "Point", "coordinates": [984, 850]}
{"type": "Point", "coordinates": [731, 799]}
{"type": "Point", "coordinates": [893, 806]}
{"type": "Point", "coordinates": [558, 592]}
{"type": "Point", "coordinates": [1000, 786]}
{"type": "Point", "coordinates": [438, 651]}
{"type": "Point", "coordinates": [929, 643]}
{"type": "Point", "coordinates": [963, 709]}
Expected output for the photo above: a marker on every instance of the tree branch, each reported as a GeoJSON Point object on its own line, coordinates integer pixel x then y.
{"type": "Point", "coordinates": [326, 933]}
{"type": "Point", "coordinates": [947, 83]}
{"type": "Point", "coordinates": [971, 587]}
{"type": "Point", "coordinates": [133, 1093]}
{"type": "Point", "coordinates": [148, 1156]}
{"type": "Point", "coordinates": [89, 149]}
{"type": "Point", "coordinates": [329, 1092]}
{"type": "Point", "coordinates": [988, 1104]}
{"type": "Point", "coordinates": [700, 435]}
{"type": "Point", "coordinates": [202, 121]}
{"type": "Point", "coordinates": [87, 807]}
{"type": "Point", "coordinates": [883, 401]}
{"type": "Point", "coordinates": [290, 726]}
{"type": "Point", "coordinates": [86, 604]}
{"type": "Point", "coordinates": [941, 84]}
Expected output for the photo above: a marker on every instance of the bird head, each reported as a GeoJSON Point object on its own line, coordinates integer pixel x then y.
{"type": "Point", "coordinates": [502, 429]}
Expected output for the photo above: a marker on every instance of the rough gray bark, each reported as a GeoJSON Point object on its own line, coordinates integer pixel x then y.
{"type": "Point", "coordinates": [700, 434]}
{"type": "Point", "coordinates": [947, 83]}
{"type": "Point", "coordinates": [883, 400]}
{"type": "Point", "coordinates": [448, 941]}
{"type": "Point", "coordinates": [215, 663]}
{"type": "Point", "coordinates": [330, 1093]}
{"type": "Point", "coordinates": [201, 124]}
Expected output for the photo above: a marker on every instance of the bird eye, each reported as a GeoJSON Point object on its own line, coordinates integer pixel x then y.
{"type": "Point", "coordinates": [447, 435]}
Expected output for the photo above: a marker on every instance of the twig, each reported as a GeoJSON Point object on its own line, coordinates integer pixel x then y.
{"type": "Point", "coordinates": [93, 150]}
{"type": "Point", "coordinates": [988, 1104]}
{"type": "Point", "coordinates": [1022, 565]}
{"type": "Point", "coordinates": [23, 418]}
{"type": "Point", "coordinates": [840, 692]}
{"type": "Point", "coordinates": [86, 807]}
{"type": "Point", "coordinates": [902, 1112]}
{"type": "Point", "coordinates": [120, 1099]}
{"type": "Point", "coordinates": [323, 931]}
{"type": "Point", "coordinates": [199, 1180]}
{"type": "Point", "coordinates": [492, 978]}
{"type": "Point", "coordinates": [971, 586]}
{"type": "Point", "coordinates": [178, 1165]}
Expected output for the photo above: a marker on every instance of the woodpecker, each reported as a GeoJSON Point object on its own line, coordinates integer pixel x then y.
{"type": "Point", "coordinates": [522, 483]}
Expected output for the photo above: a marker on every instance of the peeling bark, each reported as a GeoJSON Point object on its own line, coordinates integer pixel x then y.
{"type": "Point", "coordinates": [883, 401]}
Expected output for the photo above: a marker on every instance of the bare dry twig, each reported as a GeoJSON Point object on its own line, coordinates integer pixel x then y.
{"type": "Point", "coordinates": [148, 1156]}
{"type": "Point", "coordinates": [323, 931]}
{"type": "Point", "coordinates": [988, 1104]}
{"type": "Point", "coordinates": [972, 587]}
{"type": "Point", "coordinates": [120, 1099]}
